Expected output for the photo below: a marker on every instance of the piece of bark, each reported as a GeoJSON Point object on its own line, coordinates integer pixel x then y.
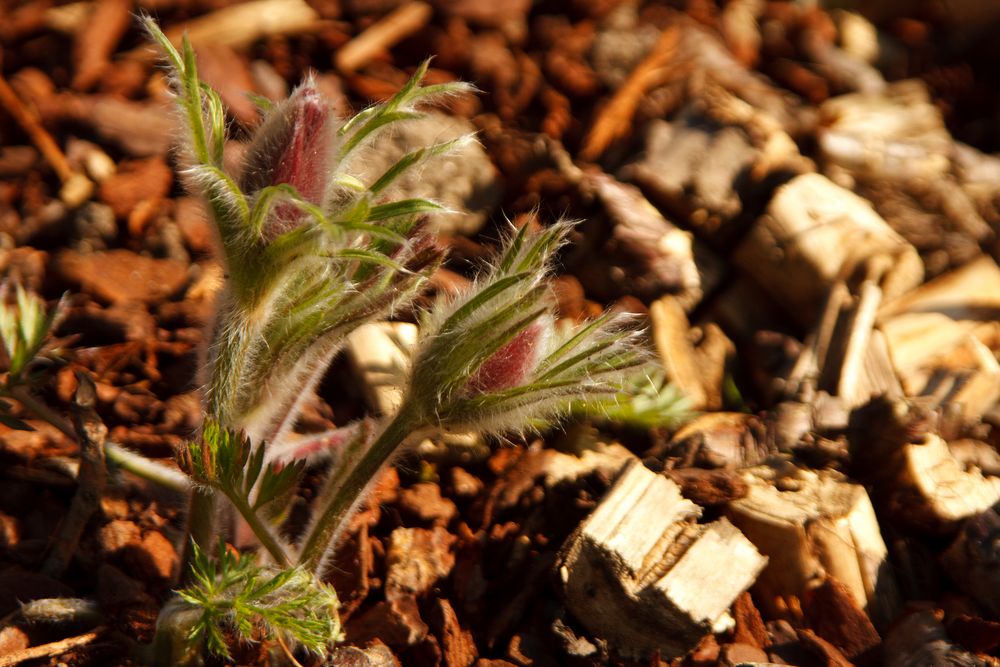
{"type": "Point", "coordinates": [663, 257]}
{"type": "Point", "coordinates": [692, 167]}
{"type": "Point", "coordinates": [615, 119]}
{"type": "Point", "coordinates": [697, 371]}
{"type": "Point", "coordinates": [416, 559]}
{"type": "Point", "coordinates": [379, 353]}
{"type": "Point", "coordinates": [844, 355]}
{"type": "Point", "coordinates": [98, 39]}
{"type": "Point", "coordinates": [641, 573]}
{"type": "Point", "coordinates": [973, 562]}
{"type": "Point", "coordinates": [816, 233]}
{"type": "Point", "coordinates": [920, 640]}
{"type": "Point", "coordinates": [749, 625]}
{"type": "Point", "coordinates": [810, 525]}
{"type": "Point", "coordinates": [141, 129]}
{"type": "Point", "coordinates": [836, 617]}
{"type": "Point", "coordinates": [897, 133]}
{"type": "Point", "coordinates": [458, 645]}
{"type": "Point", "coordinates": [718, 440]}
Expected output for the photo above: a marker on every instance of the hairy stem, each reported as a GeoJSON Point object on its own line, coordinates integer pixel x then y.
{"type": "Point", "coordinates": [200, 526]}
{"type": "Point", "coordinates": [345, 490]}
{"type": "Point", "coordinates": [261, 530]}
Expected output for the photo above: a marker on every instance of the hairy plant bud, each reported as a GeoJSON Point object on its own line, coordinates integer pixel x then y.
{"type": "Point", "coordinates": [295, 145]}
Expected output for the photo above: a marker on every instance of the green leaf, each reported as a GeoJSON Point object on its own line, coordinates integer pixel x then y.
{"type": "Point", "coordinates": [403, 207]}
{"type": "Point", "coordinates": [409, 160]}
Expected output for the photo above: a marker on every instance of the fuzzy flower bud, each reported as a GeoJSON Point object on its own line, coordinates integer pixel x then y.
{"type": "Point", "coordinates": [492, 359]}
{"type": "Point", "coordinates": [295, 145]}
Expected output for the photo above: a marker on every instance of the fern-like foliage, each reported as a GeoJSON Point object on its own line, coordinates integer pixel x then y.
{"type": "Point", "coordinates": [233, 592]}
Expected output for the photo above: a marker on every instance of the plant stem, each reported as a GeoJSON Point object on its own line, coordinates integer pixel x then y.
{"type": "Point", "coordinates": [261, 530]}
{"type": "Point", "coordinates": [124, 458]}
{"type": "Point", "coordinates": [200, 526]}
{"type": "Point", "coordinates": [345, 490]}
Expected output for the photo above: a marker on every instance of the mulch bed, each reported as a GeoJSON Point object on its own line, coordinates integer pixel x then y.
{"type": "Point", "coordinates": [455, 560]}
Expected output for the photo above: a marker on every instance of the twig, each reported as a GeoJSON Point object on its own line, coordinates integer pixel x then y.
{"type": "Point", "coordinates": [76, 188]}
{"type": "Point", "coordinates": [93, 477]}
{"type": "Point", "coordinates": [390, 30]}
{"type": "Point", "coordinates": [615, 118]}
{"type": "Point", "coordinates": [287, 651]}
{"type": "Point", "coordinates": [121, 456]}
{"type": "Point", "coordinates": [46, 650]}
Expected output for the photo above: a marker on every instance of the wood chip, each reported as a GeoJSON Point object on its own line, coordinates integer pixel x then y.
{"type": "Point", "coordinates": [815, 233]}
{"type": "Point", "coordinates": [812, 524]}
{"type": "Point", "coordinates": [642, 574]}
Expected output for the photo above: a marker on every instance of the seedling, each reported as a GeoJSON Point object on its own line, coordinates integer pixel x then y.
{"type": "Point", "coordinates": [311, 252]}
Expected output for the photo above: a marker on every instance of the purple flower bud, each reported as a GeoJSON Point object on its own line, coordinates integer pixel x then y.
{"type": "Point", "coordinates": [294, 145]}
{"type": "Point", "coordinates": [513, 363]}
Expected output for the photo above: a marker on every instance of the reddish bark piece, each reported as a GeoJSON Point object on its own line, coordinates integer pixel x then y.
{"type": "Point", "coordinates": [827, 653]}
{"type": "Point", "coordinates": [708, 487]}
{"type": "Point", "coordinates": [97, 41]}
{"type": "Point", "coordinates": [749, 624]}
{"type": "Point", "coordinates": [488, 14]}
{"type": "Point", "coordinates": [738, 654]}
{"type": "Point", "coordinates": [396, 622]}
{"type": "Point", "coordinates": [135, 181]}
{"type": "Point", "coordinates": [835, 616]}
{"type": "Point", "coordinates": [976, 634]}
{"type": "Point", "coordinates": [459, 648]}
{"type": "Point", "coordinates": [194, 224]}
{"type": "Point", "coordinates": [116, 535]}
{"type": "Point", "coordinates": [349, 570]}
{"type": "Point", "coordinates": [13, 638]}
{"type": "Point", "coordinates": [424, 501]}
{"type": "Point", "coordinates": [416, 559]}
{"type": "Point", "coordinates": [120, 276]}
{"type": "Point", "coordinates": [462, 484]}
{"type": "Point", "coordinates": [156, 557]}
{"type": "Point", "coordinates": [228, 73]}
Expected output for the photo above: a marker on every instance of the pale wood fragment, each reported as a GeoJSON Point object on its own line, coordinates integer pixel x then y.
{"type": "Point", "coordinates": [240, 25]}
{"type": "Point", "coordinates": [942, 492]}
{"type": "Point", "coordinates": [697, 371]}
{"type": "Point", "coordinates": [402, 22]}
{"type": "Point", "coordinates": [641, 573]}
{"type": "Point", "coordinates": [943, 336]}
{"type": "Point", "coordinates": [816, 233]}
{"type": "Point", "coordinates": [811, 525]}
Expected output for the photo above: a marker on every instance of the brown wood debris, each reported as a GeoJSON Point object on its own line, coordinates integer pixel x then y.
{"type": "Point", "coordinates": [641, 573]}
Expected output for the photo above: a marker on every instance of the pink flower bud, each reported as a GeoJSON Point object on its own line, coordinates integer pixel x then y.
{"type": "Point", "coordinates": [512, 364]}
{"type": "Point", "coordinates": [294, 145]}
